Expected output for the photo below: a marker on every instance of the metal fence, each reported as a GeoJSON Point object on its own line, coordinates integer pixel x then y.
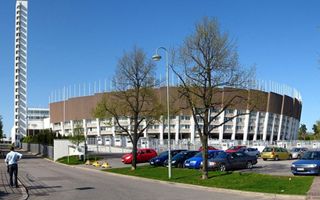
{"type": "Point", "coordinates": [186, 144]}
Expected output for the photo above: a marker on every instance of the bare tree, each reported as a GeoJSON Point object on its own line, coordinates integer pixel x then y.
{"type": "Point", "coordinates": [134, 98]}
{"type": "Point", "coordinates": [209, 62]}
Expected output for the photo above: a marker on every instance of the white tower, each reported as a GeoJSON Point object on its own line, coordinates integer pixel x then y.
{"type": "Point", "coordinates": [20, 71]}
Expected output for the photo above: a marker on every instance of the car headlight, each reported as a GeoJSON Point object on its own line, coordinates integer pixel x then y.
{"type": "Point", "coordinates": [212, 163]}
{"type": "Point", "coordinates": [293, 165]}
{"type": "Point", "coordinates": [313, 165]}
{"type": "Point", "coordinates": [174, 161]}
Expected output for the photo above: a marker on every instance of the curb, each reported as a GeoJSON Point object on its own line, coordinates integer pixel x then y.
{"type": "Point", "coordinates": [184, 185]}
{"type": "Point", "coordinates": [25, 193]}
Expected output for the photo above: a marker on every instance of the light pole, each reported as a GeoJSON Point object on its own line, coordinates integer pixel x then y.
{"type": "Point", "coordinates": [157, 57]}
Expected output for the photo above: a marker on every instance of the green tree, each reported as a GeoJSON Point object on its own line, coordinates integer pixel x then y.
{"type": "Point", "coordinates": [209, 62]}
{"type": "Point", "coordinates": [133, 98]}
{"type": "Point", "coordinates": [78, 135]}
{"type": "Point", "coordinates": [302, 133]}
{"type": "Point", "coordinates": [316, 130]}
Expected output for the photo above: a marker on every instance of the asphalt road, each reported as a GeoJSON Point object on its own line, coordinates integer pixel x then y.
{"type": "Point", "coordinates": [48, 180]}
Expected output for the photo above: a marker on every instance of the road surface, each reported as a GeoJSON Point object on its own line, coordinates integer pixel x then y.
{"type": "Point", "coordinates": [48, 180]}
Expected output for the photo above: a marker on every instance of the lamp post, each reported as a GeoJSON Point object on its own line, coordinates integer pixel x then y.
{"type": "Point", "coordinates": [157, 57]}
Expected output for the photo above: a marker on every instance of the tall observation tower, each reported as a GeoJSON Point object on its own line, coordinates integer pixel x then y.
{"type": "Point", "coordinates": [20, 71]}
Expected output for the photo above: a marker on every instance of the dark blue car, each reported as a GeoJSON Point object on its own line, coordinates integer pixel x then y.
{"type": "Point", "coordinates": [159, 160]}
{"type": "Point", "coordinates": [309, 164]}
{"type": "Point", "coordinates": [195, 161]}
{"type": "Point", "coordinates": [178, 159]}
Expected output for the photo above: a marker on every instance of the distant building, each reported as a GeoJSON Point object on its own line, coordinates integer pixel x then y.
{"type": "Point", "coordinates": [20, 71]}
{"type": "Point", "coordinates": [38, 119]}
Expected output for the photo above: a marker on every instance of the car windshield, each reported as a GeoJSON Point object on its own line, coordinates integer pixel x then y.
{"type": "Point", "coordinates": [295, 150]}
{"type": "Point", "coordinates": [267, 149]}
{"type": "Point", "coordinates": [198, 154]}
{"type": "Point", "coordinates": [165, 153]}
{"type": "Point", "coordinates": [221, 155]}
{"type": "Point", "coordinates": [311, 155]}
{"type": "Point", "coordinates": [179, 155]}
{"type": "Point", "coordinates": [233, 148]}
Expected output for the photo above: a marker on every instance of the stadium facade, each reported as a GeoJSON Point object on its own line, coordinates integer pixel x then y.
{"type": "Point", "coordinates": [273, 117]}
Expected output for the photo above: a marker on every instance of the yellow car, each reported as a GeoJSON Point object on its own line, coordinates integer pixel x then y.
{"type": "Point", "coordinates": [276, 153]}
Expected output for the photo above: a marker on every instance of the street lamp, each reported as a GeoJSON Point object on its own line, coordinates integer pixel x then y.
{"type": "Point", "coordinates": [157, 57]}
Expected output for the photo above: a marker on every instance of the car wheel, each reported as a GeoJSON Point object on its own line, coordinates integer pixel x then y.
{"type": "Point", "coordinates": [264, 159]}
{"type": "Point", "coordinates": [290, 157]}
{"type": "Point", "coordinates": [222, 168]}
{"type": "Point", "coordinates": [180, 165]}
{"type": "Point", "coordinates": [276, 158]}
{"type": "Point", "coordinates": [249, 165]}
{"type": "Point", "coordinates": [299, 157]}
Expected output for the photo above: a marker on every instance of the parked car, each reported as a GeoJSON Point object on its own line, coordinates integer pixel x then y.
{"type": "Point", "coordinates": [178, 159]}
{"type": "Point", "coordinates": [209, 148]}
{"type": "Point", "coordinates": [236, 149]}
{"type": "Point", "coordinates": [252, 152]}
{"type": "Point", "coordinates": [159, 160]}
{"type": "Point", "coordinates": [275, 153]}
{"type": "Point", "coordinates": [143, 155]}
{"type": "Point", "coordinates": [229, 161]}
{"type": "Point", "coordinates": [309, 164]}
{"type": "Point", "coordinates": [297, 152]}
{"type": "Point", "coordinates": [195, 161]}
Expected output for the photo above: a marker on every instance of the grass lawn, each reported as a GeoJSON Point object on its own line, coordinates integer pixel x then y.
{"type": "Point", "coordinates": [74, 160]}
{"type": "Point", "coordinates": [229, 180]}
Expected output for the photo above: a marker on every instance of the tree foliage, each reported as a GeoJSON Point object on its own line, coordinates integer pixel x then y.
{"type": "Point", "coordinates": [302, 132]}
{"type": "Point", "coordinates": [209, 62]}
{"type": "Point", "coordinates": [45, 137]}
{"type": "Point", "coordinates": [133, 98]}
{"type": "Point", "coordinates": [78, 135]}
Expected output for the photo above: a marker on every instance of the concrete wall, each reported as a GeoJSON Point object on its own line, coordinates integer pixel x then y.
{"type": "Point", "coordinates": [64, 148]}
{"type": "Point", "coordinates": [44, 150]}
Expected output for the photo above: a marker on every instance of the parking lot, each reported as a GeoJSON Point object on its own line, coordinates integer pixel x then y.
{"type": "Point", "coordinates": [271, 167]}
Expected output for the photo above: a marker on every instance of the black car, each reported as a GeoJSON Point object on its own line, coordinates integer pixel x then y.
{"type": "Point", "coordinates": [159, 160]}
{"type": "Point", "coordinates": [178, 159]}
{"type": "Point", "coordinates": [230, 161]}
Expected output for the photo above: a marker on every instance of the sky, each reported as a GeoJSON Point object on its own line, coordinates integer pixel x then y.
{"type": "Point", "coordinates": [72, 42]}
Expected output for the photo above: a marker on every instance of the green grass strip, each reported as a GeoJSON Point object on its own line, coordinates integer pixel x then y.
{"type": "Point", "coordinates": [74, 160]}
{"type": "Point", "coordinates": [245, 181]}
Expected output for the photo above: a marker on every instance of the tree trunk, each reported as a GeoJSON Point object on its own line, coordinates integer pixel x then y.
{"type": "Point", "coordinates": [134, 152]}
{"type": "Point", "coordinates": [204, 142]}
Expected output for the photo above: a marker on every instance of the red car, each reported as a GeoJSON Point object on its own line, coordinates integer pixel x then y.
{"type": "Point", "coordinates": [236, 149]}
{"type": "Point", "coordinates": [143, 155]}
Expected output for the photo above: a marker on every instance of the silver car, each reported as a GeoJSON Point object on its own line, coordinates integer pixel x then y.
{"type": "Point", "coordinates": [252, 152]}
{"type": "Point", "coordinates": [297, 152]}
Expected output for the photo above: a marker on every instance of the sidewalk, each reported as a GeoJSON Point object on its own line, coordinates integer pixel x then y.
{"type": "Point", "coordinates": [7, 192]}
{"type": "Point", "coordinates": [314, 192]}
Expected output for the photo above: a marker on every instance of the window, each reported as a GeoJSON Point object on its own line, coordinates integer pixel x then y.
{"type": "Point", "coordinates": [239, 119]}
{"type": "Point", "coordinates": [239, 127]}
{"type": "Point", "coordinates": [185, 126]}
{"type": "Point", "coordinates": [183, 117]}
{"type": "Point", "coordinates": [229, 111]}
